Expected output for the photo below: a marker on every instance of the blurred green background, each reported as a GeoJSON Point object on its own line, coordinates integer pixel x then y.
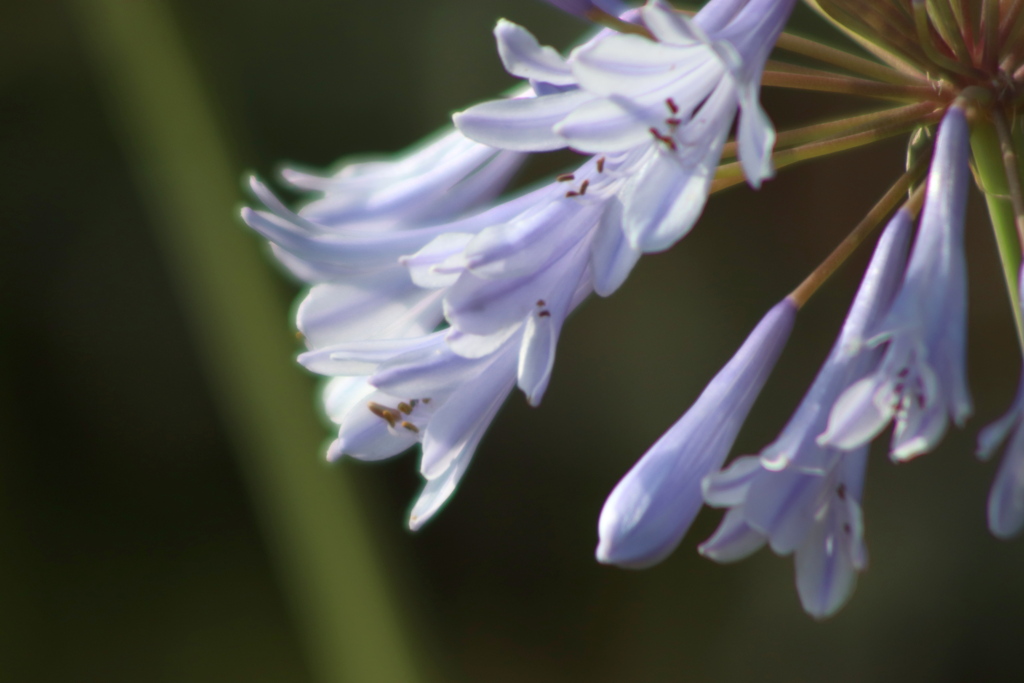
{"type": "Point", "coordinates": [158, 523]}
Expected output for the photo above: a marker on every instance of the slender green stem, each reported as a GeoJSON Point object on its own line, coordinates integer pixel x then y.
{"type": "Point", "coordinates": [910, 114]}
{"type": "Point", "coordinates": [924, 37]}
{"type": "Point", "coordinates": [1010, 21]}
{"type": "Point", "coordinates": [991, 173]}
{"type": "Point", "coordinates": [849, 86]}
{"type": "Point", "coordinates": [990, 33]}
{"type": "Point", "coordinates": [599, 16]}
{"type": "Point", "coordinates": [889, 201]}
{"type": "Point", "coordinates": [1011, 168]}
{"type": "Point", "coordinates": [332, 572]}
{"type": "Point", "coordinates": [731, 174]}
{"type": "Point", "coordinates": [896, 52]}
{"type": "Point", "coordinates": [948, 26]}
{"type": "Point", "coordinates": [845, 60]}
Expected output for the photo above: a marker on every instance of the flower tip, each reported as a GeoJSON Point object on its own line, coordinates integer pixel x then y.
{"type": "Point", "coordinates": [611, 554]}
{"type": "Point", "coordinates": [336, 450]}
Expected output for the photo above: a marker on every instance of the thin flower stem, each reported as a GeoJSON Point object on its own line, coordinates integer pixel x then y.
{"type": "Point", "coordinates": [1011, 168]}
{"type": "Point", "coordinates": [990, 33]}
{"type": "Point", "coordinates": [900, 57]}
{"type": "Point", "coordinates": [949, 25]}
{"type": "Point", "coordinates": [911, 113]}
{"type": "Point", "coordinates": [845, 60]}
{"type": "Point", "coordinates": [732, 173]}
{"type": "Point", "coordinates": [599, 16]}
{"type": "Point", "coordinates": [889, 201]}
{"type": "Point", "coordinates": [1011, 21]}
{"type": "Point", "coordinates": [991, 174]}
{"type": "Point", "coordinates": [924, 36]}
{"type": "Point", "coordinates": [850, 86]}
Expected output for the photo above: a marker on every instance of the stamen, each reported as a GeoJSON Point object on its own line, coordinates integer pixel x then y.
{"type": "Point", "coordinates": [565, 177]}
{"type": "Point", "coordinates": [411, 427]}
{"type": "Point", "coordinates": [544, 314]}
{"type": "Point", "coordinates": [405, 407]}
{"type": "Point", "coordinates": [384, 413]}
{"type": "Point", "coordinates": [600, 165]}
{"type": "Point", "coordinates": [540, 302]}
{"type": "Point", "coordinates": [583, 187]}
{"type": "Point", "coordinates": [660, 137]}
{"type": "Point", "coordinates": [672, 106]}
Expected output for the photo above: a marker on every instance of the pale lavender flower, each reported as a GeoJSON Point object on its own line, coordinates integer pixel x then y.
{"type": "Point", "coordinates": [527, 273]}
{"type": "Point", "coordinates": [652, 507]}
{"type": "Point", "coordinates": [673, 99]}
{"type": "Point", "coordinates": [799, 496]}
{"type": "Point", "coordinates": [389, 395]}
{"type": "Point", "coordinates": [817, 516]}
{"type": "Point", "coordinates": [1006, 499]}
{"type": "Point", "coordinates": [921, 381]}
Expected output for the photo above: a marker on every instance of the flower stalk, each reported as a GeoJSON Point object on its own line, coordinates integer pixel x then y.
{"type": "Point", "coordinates": [991, 169]}
{"type": "Point", "coordinates": [872, 220]}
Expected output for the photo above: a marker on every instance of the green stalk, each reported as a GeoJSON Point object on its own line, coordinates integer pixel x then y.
{"type": "Point", "coordinates": [992, 176]}
{"type": "Point", "coordinates": [332, 573]}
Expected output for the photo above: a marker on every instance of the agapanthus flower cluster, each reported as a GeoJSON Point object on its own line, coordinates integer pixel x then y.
{"type": "Point", "coordinates": [432, 296]}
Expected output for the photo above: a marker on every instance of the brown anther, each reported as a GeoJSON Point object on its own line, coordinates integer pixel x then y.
{"type": "Point", "coordinates": [674, 122]}
{"type": "Point", "coordinates": [565, 177]}
{"type": "Point", "coordinates": [383, 412]}
{"type": "Point", "coordinates": [544, 314]}
{"type": "Point", "coordinates": [841, 491]}
{"type": "Point", "coordinates": [410, 426]}
{"type": "Point", "coordinates": [405, 407]}
{"type": "Point", "coordinates": [426, 400]}
{"type": "Point", "coordinates": [413, 402]}
{"type": "Point", "coordinates": [600, 165]}
{"type": "Point", "coordinates": [660, 137]}
{"type": "Point", "coordinates": [583, 187]}
{"type": "Point", "coordinates": [299, 335]}
{"type": "Point", "coordinates": [846, 528]}
{"type": "Point", "coordinates": [540, 302]}
{"type": "Point", "coordinates": [672, 105]}
{"type": "Point", "coordinates": [572, 193]}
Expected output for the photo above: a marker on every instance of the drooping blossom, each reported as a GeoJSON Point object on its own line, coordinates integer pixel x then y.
{"type": "Point", "coordinates": [652, 507]}
{"type": "Point", "coordinates": [1006, 499]}
{"type": "Point", "coordinates": [797, 495]}
{"type": "Point", "coordinates": [921, 381]}
{"type": "Point", "coordinates": [673, 96]}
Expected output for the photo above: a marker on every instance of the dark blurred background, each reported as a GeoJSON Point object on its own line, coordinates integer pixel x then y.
{"type": "Point", "coordinates": [132, 547]}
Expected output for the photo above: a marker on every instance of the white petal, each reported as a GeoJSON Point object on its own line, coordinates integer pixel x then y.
{"type": "Point", "coordinates": [524, 57]}
{"type": "Point", "coordinates": [733, 540]}
{"type": "Point", "coordinates": [462, 418]}
{"type": "Point", "coordinates": [522, 124]}
{"type": "Point", "coordinates": [612, 257]}
{"type": "Point", "coordinates": [856, 417]}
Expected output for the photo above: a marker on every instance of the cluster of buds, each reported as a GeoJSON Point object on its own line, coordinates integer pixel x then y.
{"type": "Point", "coordinates": [432, 297]}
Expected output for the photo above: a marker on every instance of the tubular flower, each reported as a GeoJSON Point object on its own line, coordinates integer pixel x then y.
{"type": "Point", "coordinates": [650, 510]}
{"type": "Point", "coordinates": [797, 495]}
{"type": "Point", "coordinates": [432, 294]}
{"type": "Point", "coordinates": [921, 381]}
{"type": "Point", "coordinates": [1006, 499]}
